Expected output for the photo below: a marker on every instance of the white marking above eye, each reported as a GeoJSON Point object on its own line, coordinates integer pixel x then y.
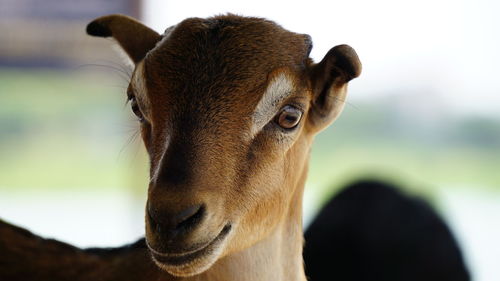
{"type": "Point", "coordinates": [280, 88]}
{"type": "Point", "coordinates": [139, 85]}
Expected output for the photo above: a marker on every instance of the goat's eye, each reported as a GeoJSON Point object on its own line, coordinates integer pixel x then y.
{"type": "Point", "coordinates": [135, 109]}
{"type": "Point", "coordinates": [288, 117]}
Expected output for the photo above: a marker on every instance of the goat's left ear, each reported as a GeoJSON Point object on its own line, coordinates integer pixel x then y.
{"type": "Point", "coordinates": [135, 38]}
{"type": "Point", "coordinates": [329, 84]}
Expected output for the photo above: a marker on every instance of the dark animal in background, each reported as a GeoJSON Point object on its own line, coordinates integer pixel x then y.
{"type": "Point", "coordinates": [372, 231]}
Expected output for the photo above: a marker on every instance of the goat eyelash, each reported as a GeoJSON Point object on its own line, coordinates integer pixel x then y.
{"type": "Point", "coordinates": [136, 110]}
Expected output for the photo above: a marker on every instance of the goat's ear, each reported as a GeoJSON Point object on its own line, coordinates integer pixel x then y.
{"type": "Point", "coordinates": [329, 84]}
{"type": "Point", "coordinates": [135, 38]}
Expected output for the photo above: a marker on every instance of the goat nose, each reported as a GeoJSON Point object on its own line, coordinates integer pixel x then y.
{"type": "Point", "coordinates": [189, 216]}
{"type": "Point", "coordinates": [171, 225]}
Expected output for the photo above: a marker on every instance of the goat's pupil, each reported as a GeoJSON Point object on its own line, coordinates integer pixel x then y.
{"type": "Point", "coordinates": [289, 117]}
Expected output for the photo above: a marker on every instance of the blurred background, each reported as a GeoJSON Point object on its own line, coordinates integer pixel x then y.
{"type": "Point", "coordinates": [424, 114]}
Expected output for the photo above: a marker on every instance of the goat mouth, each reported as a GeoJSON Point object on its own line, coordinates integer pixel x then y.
{"type": "Point", "coordinates": [166, 260]}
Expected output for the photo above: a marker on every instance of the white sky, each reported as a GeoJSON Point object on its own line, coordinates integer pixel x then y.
{"type": "Point", "coordinates": [443, 51]}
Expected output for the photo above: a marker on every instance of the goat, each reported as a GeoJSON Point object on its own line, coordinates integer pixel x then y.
{"type": "Point", "coordinates": [228, 108]}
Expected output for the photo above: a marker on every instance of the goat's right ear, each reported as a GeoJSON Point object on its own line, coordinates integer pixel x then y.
{"type": "Point", "coordinates": [329, 80]}
{"type": "Point", "coordinates": [135, 38]}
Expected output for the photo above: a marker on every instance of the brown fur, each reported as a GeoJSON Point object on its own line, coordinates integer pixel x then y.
{"type": "Point", "coordinates": [27, 257]}
{"type": "Point", "coordinates": [197, 89]}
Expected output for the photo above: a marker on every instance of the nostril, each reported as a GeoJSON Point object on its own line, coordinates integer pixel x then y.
{"type": "Point", "coordinates": [171, 224]}
{"type": "Point", "coordinates": [189, 217]}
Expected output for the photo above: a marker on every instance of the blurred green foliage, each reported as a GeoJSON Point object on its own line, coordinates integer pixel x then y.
{"type": "Point", "coordinates": [377, 140]}
{"type": "Point", "coordinates": [66, 130]}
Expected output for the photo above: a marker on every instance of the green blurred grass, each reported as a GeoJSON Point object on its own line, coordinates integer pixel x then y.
{"type": "Point", "coordinates": [418, 169]}
{"type": "Point", "coordinates": [65, 130]}
{"type": "Point", "coordinates": [71, 130]}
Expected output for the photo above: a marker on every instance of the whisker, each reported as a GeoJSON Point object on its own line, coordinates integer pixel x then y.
{"type": "Point", "coordinates": [130, 140]}
{"type": "Point", "coordinates": [117, 86]}
{"type": "Point", "coordinates": [127, 70]}
{"type": "Point", "coordinates": [120, 72]}
{"type": "Point", "coordinates": [346, 102]}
